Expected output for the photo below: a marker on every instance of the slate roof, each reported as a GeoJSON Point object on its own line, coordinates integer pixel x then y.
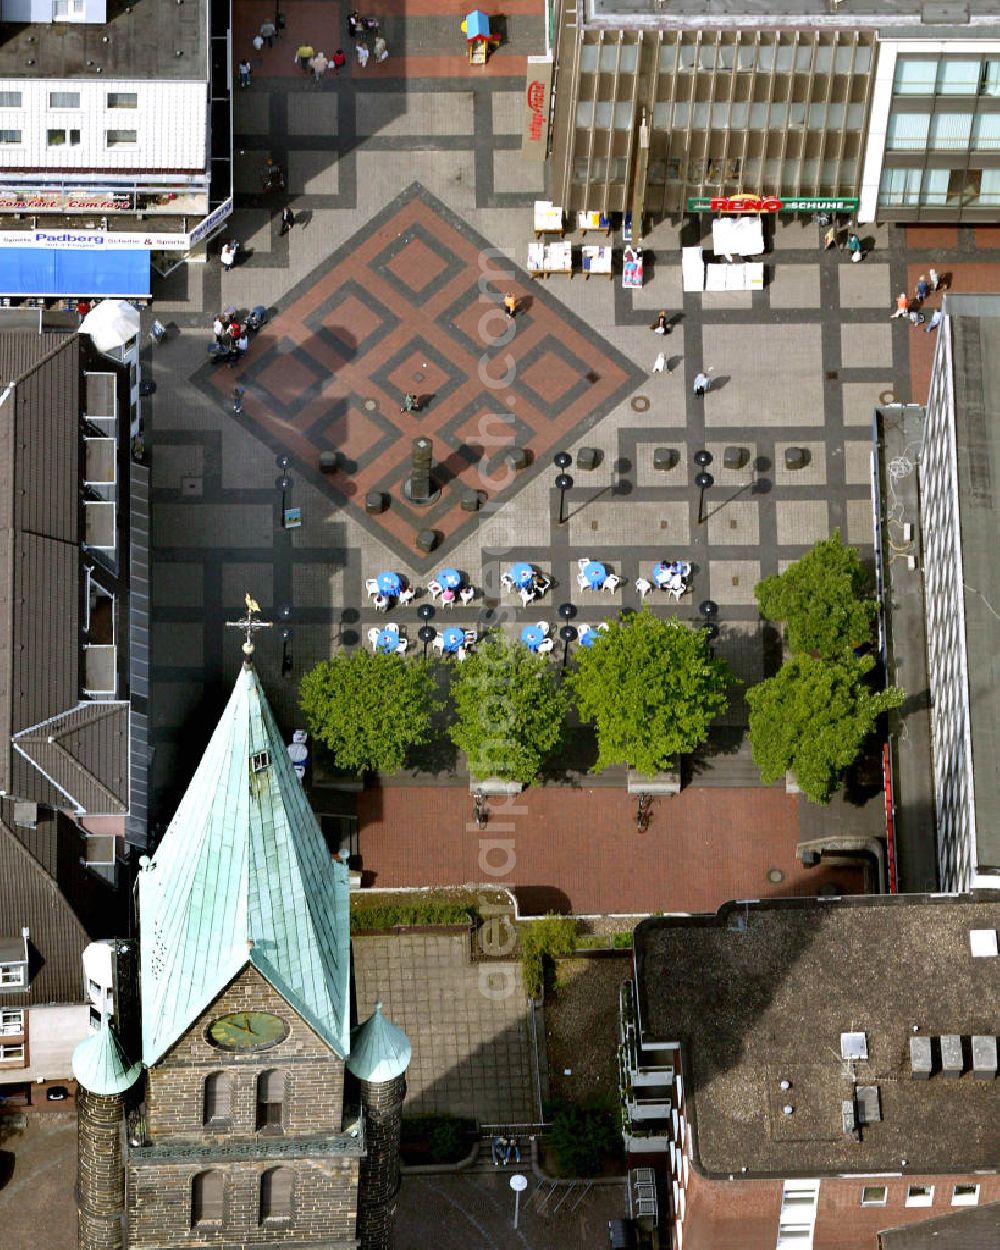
{"type": "Point", "coordinates": [44, 887]}
{"type": "Point", "coordinates": [380, 1050]}
{"type": "Point", "coordinates": [86, 764]}
{"type": "Point", "coordinates": [972, 1229]}
{"type": "Point", "coordinates": [100, 1064]}
{"type": "Point", "coordinates": [243, 876]}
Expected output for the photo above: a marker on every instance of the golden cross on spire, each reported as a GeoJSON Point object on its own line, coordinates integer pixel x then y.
{"type": "Point", "coordinates": [248, 623]}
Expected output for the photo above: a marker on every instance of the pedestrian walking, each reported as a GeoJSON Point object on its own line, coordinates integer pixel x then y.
{"type": "Point", "coordinates": [915, 318]}
{"type": "Point", "coordinates": [354, 25]}
{"type": "Point", "coordinates": [319, 64]}
{"type": "Point", "coordinates": [510, 304]}
{"type": "Point", "coordinates": [498, 1147]}
{"type": "Point", "coordinates": [661, 325]}
{"type": "Point", "coordinates": [219, 330]}
{"type": "Point", "coordinates": [701, 383]}
{"type": "Point", "coordinates": [339, 59]}
{"type": "Point", "coordinates": [922, 288]}
{"type": "Point", "coordinates": [934, 280]}
{"type": "Point", "coordinates": [244, 73]}
{"type": "Point", "coordinates": [267, 32]}
{"type": "Point", "coordinates": [287, 220]}
{"type": "Point", "coordinates": [304, 53]}
{"type": "Point", "coordinates": [660, 363]}
{"type": "Point", "coordinates": [258, 47]}
{"type": "Point", "coordinates": [830, 238]}
{"type": "Point", "coordinates": [902, 306]}
{"type": "Point", "coordinates": [410, 403]}
{"type": "Point", "coordinates": [362, 51]}
{"type": "Point", "coordinates": [854, 246]}
{"type": "Point", "coordinates": [380, 50]}
{"type": "Point", "coordinates": [935, 320]}
{"type": "Point", "coordinates": [271, 177]}
{"type": "Point", "coordinates": [228, 255]}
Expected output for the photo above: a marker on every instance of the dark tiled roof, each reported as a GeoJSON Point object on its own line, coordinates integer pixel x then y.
{"type": "Point", "coordinates": [978, 1228]}
{"type": "Point", "coordinates": [83, 752]}
{"type": "Point", "coordinates": [32, 897]}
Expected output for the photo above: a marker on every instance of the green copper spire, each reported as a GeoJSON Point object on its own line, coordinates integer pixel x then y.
{"type": "Point", "coordinates": [243, 876]}
{"type": "Point", "coordinates": [380, 1050]}
{"type": "Point", "coordinates": [100, 1065]}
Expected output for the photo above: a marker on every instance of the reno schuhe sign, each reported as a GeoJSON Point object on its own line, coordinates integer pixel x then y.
{"type": "Point", "coordinates": [770, 204]}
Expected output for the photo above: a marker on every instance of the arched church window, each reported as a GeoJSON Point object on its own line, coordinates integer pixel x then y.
{"type": "Point", "coordinates": [218, 1098]}
{"type": "Point", "coordinates": [276, 1194]}
{"type": "Point", "coordinates": [271, 1099]}
{"type": "Point", "coordinates": [206, 1198]}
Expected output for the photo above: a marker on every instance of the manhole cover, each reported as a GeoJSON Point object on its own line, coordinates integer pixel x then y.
{"type": "Point", "coordinates": [887, 397]}
{"type": "Point", "coordinates": [775, 876]}
{"type": "Point", "coordinates": [832, 375]}
{"type": "Point", "coordinates": [640, 403]}
{"type": "Point", "coordinates": [371, 405]}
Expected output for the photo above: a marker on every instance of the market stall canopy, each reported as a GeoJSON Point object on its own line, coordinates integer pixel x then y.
{"type": "Point", "coordinates": [41, 271]}
{"type": "Point", "coordinates": [111, 324]}
{"type": "Point", "coordinates": [476, 25]}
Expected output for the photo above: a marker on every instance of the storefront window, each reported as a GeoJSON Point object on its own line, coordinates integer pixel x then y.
{"type": "Point", "coordinates": [744, 58]}
{"type": "Point", "coordinates": [915, 77]}
{"type": "Point", "coordinates": [609, 57]}
{"type": "Point", "coordinates": [862, 59]}
{"type": "Point", "coordinates": [588, 58]}
{"type": "Point", "coordinates": [951, 131]}
{"type": "Point", "coordinates": [963, 186]}
{"type": "Point", "coordinates": [585, 113]}
{"type": "Point", "coordinates": [668, 58]}
{"type": "Point", "coordinates": [958, 78]}
{"type": "Point", "coordinates": [991, 78]}
{"type": "Point", "coordinates": [784, 59]}
{"type": "Point", "coordinates": [623, 116]}
{"type": "Point", "coordinates": [661, 116]}
{"type": "Point", "coordinates": [986, 133]}
{"type": "Point", "coordinates": [989, 191]}
{"type": "Point", "coordinates": [682, 115]}
{"type": "Point", "coordinates": [629, 57]}
{"type": "Point", "coordinates": [935, 193]}
{"type": "Point", "coordinates": [907, 132]}
{"type": "Point", "coordinates": [602, 115]}
{"type": "Point", "coordinates": [900, 187]}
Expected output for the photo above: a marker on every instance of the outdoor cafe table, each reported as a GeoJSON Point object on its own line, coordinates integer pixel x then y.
{"type": "Point", "coordinates": [532, 636]}
{"type": "Point", "coordinates": [522, 574]}
{"type": "Point", "coordinates": [663, 572]}
{"type": "Point", "coordinates": [389, 583]}
{"type": "Point", "coordinates": [388, 640]}
{"type": "Point", "coordinates": [596, 574]}
{"type": "Point", "coordinates": [449, 579]}
{"type": "Point", "coordinates": [588, 637]}
{"type": "Point", "coordinates": [453, 637]}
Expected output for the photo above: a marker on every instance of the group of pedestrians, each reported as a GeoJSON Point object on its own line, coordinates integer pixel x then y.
{"type": "Point", "coordinates": [368, 39]}
{"type": "Point", "coordinates": [927, 284]}
{"type": "Point", "coordinates": [505, 1150]}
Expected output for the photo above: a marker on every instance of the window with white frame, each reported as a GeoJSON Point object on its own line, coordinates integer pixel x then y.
{"type": "Point", "coordinates": [10, 99]}
{"type": "Point", "coordinates": [64, 99]}
{"type": "Point", "coordinates": [965, 1195]}
{"type": "Point", "coordinates": [67, 10]}
{"type": "Point", "coordinates": [10, 136]}
{"type": "Point", "coordinates": [919, 1195]}
{"type": "Point", "coordinates": [122, 100]}
{"type": "Point", "coordinates": [120, 138]}
{"type": "Point", "coordinates": [12, 974]}
{"type": "Point", "coordinates": [874, 1195]}
{"type": "Point", "coordinates": [11, 1022]}
{"type": "Point", "coordinates": [10, 1051]}
{"type": "Point", "coordinates": [62, 138]}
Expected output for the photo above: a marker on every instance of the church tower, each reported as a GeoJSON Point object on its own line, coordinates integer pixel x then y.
{"type": "Point", "coordinates": [380, 1055]}
{"type": "Point", "coordinates": [245, 1137]}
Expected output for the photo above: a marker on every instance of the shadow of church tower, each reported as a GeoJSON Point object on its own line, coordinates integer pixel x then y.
{"type": "Point", "coordinates": [239, 1132]}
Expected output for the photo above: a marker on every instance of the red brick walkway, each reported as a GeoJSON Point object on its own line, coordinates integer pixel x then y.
{"type": "Point", "coordinates": [579, 851]}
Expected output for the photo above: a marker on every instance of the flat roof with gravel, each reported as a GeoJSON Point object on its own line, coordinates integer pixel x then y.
{"type": "Point", "coordinates": [765, 992]}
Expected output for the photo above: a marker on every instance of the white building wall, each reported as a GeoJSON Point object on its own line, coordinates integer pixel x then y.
{"type": "Point", "coordinates": [170, 122]}
{"type": "Point", "coordinates": [53, 1033]}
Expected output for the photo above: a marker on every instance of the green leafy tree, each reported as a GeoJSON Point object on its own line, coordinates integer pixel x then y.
{"type": "Point", "coordinates": [812, 718]}
{"type": "Point", "coordinates": [368, 710]}
{"type": "Point", "coordinates": [582, 1137]}
{"type": "Point", "coordinates": [510, 711]}
{"type": "Point", "coordinates": [651, 688]}
{"type": "Point", "coordinates": [821, 599]}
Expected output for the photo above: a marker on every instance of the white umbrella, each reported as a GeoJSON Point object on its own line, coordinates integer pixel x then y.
{"type": "Point", "coordinates": [111, 324]}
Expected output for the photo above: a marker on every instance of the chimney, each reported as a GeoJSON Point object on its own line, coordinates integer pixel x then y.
{"type": "Point", "coordinates": [921, 1059]}
{"type": "Point", "coordinates": [984, 1058]}
{"type": "Point", "coordinates": [951, 1055]}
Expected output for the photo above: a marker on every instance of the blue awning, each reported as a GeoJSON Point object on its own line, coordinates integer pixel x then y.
{"type": "Point", "coordinates": [61, 271]}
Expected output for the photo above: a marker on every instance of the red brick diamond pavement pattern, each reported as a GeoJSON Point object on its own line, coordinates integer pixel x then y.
{"type": "Point", "coordinates": [398, 309]}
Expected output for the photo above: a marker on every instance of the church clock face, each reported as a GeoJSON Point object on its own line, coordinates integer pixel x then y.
{"type": "Point", "coordinates": [247, 1030]}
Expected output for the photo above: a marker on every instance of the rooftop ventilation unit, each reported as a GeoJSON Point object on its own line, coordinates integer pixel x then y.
{"type": "Point", "coordinates": [850, 1119]}
{"type": "Point", "coordinates": [921, 1059]}
{"type": "Point", "coordinates": [869, 1104]}
{"type": "Point", "coordinates": [853, 1046]}
{"type": "Point", "coordinates": [983, 943]}
{"type": "Point", "coordinates": [951, 1055]}
{"type": "Point", "coordinates": [984, 1058]}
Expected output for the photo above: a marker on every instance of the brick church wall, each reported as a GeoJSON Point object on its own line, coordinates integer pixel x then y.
{"type": "Point", "coordinates": [101, 1192]}
{"type": "Point", "coordinates": [314, 1082]}
{"type": "Point", "coordinates": [322, 1208]}
{"type": "Point", "coordinates": [383, 1103]}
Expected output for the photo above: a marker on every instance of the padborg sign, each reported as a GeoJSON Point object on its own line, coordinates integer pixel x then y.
{"type": "Point", "coordinates": [770, 204]}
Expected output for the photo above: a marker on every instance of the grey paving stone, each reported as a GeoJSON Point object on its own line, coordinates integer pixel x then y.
{"type": "Point", "coordinates": [178, 643]}
{"type": "Point", "coordinates": [794, 286]}
{"type": "Point", "coordinates": [390, 114]}
{"type": "Point", "coordinates": [313, 173]}
{"type": "Point", "coordinates": [732, 523]}
{"type": "Point", "coordinates": [860, 399]}
{"type": "Point", "coordinates": [865, 286]}
{"type": "Point", "coordinates": [857, 461]}
{"type": "Point", "coordinates": [251, 110]}
{"type": "Point", "coordinates": [610, 525]}
{"type": "Point", "coordinates": [860, 524]}
{"type": "Point", "coordinates": [507, 108]}
{"type": "Point", "coordinates": [240, 579]}
{"type": "Point", "coordinates": [227, 525]}
{"type": "Point", "coordinates": [313, 113]}
{"type": "Point", "coordinates": [178, 585]}
{"type": "Point", "coordinates": [661, 290]}
{"type": "Point", "coordinates": [814, 473]}
{"type": "Point", "coordinates": [732, 581]}
{"type": "Point", "coordinates": [172, 462]}
{"type": "Point", "coordinates": [774, 375]}
{"type": "Point", "coordinates": [512, 173]}
{"type": "Point", "coordinates": [866, 346]}
{"type": "Point", "coordinates": [800, 523]}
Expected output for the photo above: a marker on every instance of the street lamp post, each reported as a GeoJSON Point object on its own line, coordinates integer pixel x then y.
{"type": "Point", "coordinates": [287, 634]}
{"type": "Point", "coordinates": [568, 635]}
{"type": "Point", "coordinates": [703, 481]}
{"type": "Point", "coordinates": [426, 634]}
{"type": "Point", "coordinates": [563, 484]}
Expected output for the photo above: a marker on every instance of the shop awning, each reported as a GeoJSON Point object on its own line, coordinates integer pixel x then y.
{"type": "Point", "coordinates": [61, 271]}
